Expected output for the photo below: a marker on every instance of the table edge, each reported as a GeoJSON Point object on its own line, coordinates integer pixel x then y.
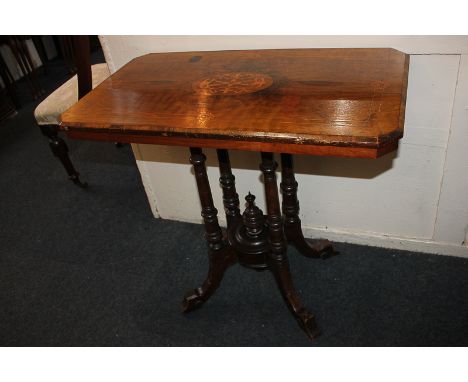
{"type": "Point", "coordinates": [321, 150]}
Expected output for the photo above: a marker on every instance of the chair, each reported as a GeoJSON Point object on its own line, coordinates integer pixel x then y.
{"type": "Point", "coordinates": [9, 83]}
{"type": "Point", "coordinates": [40, 48]}
{"type": "Point", "coordinates": [68, 53]}
{"type": "Point", "coordinates": [20, 51]}
{"type": "Point", "coordinates": [48, 112]}
{"type": "Point", "coordinates": [7, 109]}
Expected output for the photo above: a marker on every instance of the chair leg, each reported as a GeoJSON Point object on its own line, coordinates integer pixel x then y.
{"type": "Point", "coordinates": [60, 150]}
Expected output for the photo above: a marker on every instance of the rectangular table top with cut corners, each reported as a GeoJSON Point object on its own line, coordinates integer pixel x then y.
{"type": "Point", "coordinates": [343, 102]}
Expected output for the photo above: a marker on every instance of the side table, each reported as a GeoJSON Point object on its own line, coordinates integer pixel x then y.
{"type": "Point", "coordinates": [340, 102]}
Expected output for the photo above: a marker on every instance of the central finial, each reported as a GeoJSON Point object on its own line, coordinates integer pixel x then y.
{"type": "Point", "coordinates": [250, 199]}
{"type": "Point", "coordinates": [253, 217]}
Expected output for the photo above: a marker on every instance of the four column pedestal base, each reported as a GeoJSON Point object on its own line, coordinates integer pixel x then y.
{"type": "Point", "coordinates": [255, 240]}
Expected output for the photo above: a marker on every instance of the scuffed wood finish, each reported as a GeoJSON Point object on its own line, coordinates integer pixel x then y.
{"type": "Point", "coordinates": [342, 102]}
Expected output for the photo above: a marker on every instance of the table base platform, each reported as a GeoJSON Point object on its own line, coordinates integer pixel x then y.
{"type": "Point", "coordinates": [253, 239]}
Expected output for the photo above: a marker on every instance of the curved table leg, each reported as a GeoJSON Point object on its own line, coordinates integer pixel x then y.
{"type": "Point", "coordinates": [317, 248]}
{"type": "Point", "coordinates": [306, 320]}
{"type": "Point", "coordinates": [220, 261]}
{"type": "Point", "coordinates": [221, 256]}
{"type": "Point", "coordinates": [277, 257]}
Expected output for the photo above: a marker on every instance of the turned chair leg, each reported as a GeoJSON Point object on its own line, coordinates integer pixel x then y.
{"type": "Point", "coordinates": [60, 150]}
{"type": "Point", "coordinates": [278, 259]}
{"type": "Point", "coordinates": [221, 256]}
{"type": "Point", "coordinates": [317, 248]}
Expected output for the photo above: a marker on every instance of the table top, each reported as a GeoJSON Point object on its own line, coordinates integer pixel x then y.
{"type": "Point", "coordinates": [343, 102]}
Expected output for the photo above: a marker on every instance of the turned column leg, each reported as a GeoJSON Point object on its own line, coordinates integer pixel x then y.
{"type": "Point", "coordinates": [227, 181]}
{"type": "Point", "coordinates": [221, 256]}
{"type": "Point", "coordinates": [60, 150]}
{"type": "Point", "coordinates": [277, 256]}
{"type": "Point", "coordinates": [292, 223]}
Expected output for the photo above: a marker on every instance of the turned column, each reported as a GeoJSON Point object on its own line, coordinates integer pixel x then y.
{"type": "Point", "coordinates": [228, 185]}
{"type": "Point", "coordinates": [220, 255]}
{"type": "Point", "coordinates": [317, 248]}
{"type": "Point", "coordinates": [276, 238]}
{"type": "Point", "coordinates": [288, 186]}
{"type": "Point", "coordinates": [277, 243]}
{"type": "Point", "coordinates": [214, 235]}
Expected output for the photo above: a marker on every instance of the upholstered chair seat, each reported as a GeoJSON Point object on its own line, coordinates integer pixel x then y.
{"type": "Point", "coordinates": [48, 112]}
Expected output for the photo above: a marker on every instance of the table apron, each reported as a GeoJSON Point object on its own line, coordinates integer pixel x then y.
{"type": "Point", "coordinates": [321, 150]}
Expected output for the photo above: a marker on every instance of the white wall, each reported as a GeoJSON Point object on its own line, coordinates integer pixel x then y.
{"type": "Point", "coordinates": [414, 198]}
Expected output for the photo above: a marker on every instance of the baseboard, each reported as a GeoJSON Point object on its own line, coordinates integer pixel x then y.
{"type": "Point", "coordinates": [385, 241]}
{"type": "Point", "coordinates": [371, 239]}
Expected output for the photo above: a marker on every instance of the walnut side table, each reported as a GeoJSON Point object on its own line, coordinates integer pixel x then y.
{"type": "Point", "coordinates": [335, 102]}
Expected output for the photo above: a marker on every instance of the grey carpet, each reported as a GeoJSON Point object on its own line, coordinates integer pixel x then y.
{"type": "Point", "coordinates": [94, 268]}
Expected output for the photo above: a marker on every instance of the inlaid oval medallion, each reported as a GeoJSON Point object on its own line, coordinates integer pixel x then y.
{"type": "Point", "coordinates": [235, 83]}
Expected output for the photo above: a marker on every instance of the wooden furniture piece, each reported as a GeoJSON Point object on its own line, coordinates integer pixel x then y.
{"type": "Point", "coordinates": [67, 51]}
{"type": "Point", "coordinates": [342, 102]}
{"type": "Point", "coordinates": [20, 51]}
{"type": "Point", "coordinates": [48, 111]}
{"type": "Point", "coordinates": [41, 51]}
{"type": "Point", "coordinates": [9, 83]}
{"type": "Point", "coordinates": [7, 108]}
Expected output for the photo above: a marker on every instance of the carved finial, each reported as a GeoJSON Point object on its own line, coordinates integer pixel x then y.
{"type": "Point", "coordinates": [252, 217]}
{"type": "Point", "coordinates": [250, 199]}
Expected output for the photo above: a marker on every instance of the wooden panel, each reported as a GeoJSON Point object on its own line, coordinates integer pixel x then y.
{"type": "Point", "coordinates": [305, 97]}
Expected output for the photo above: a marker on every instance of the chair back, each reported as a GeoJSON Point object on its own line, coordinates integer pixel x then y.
{"type": "Point", "coordinates": [83, 64]}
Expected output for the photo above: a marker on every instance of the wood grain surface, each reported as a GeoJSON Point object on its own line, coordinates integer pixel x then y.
{"type": "Point", "coordinates": [344, 102]}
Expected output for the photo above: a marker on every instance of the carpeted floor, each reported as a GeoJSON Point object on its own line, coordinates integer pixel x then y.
{"type": "Point", "coordinates": [94, 268]}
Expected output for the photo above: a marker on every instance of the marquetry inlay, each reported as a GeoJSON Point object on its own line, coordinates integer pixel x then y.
{"type": "Point", "coordinates": [233, 83]}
